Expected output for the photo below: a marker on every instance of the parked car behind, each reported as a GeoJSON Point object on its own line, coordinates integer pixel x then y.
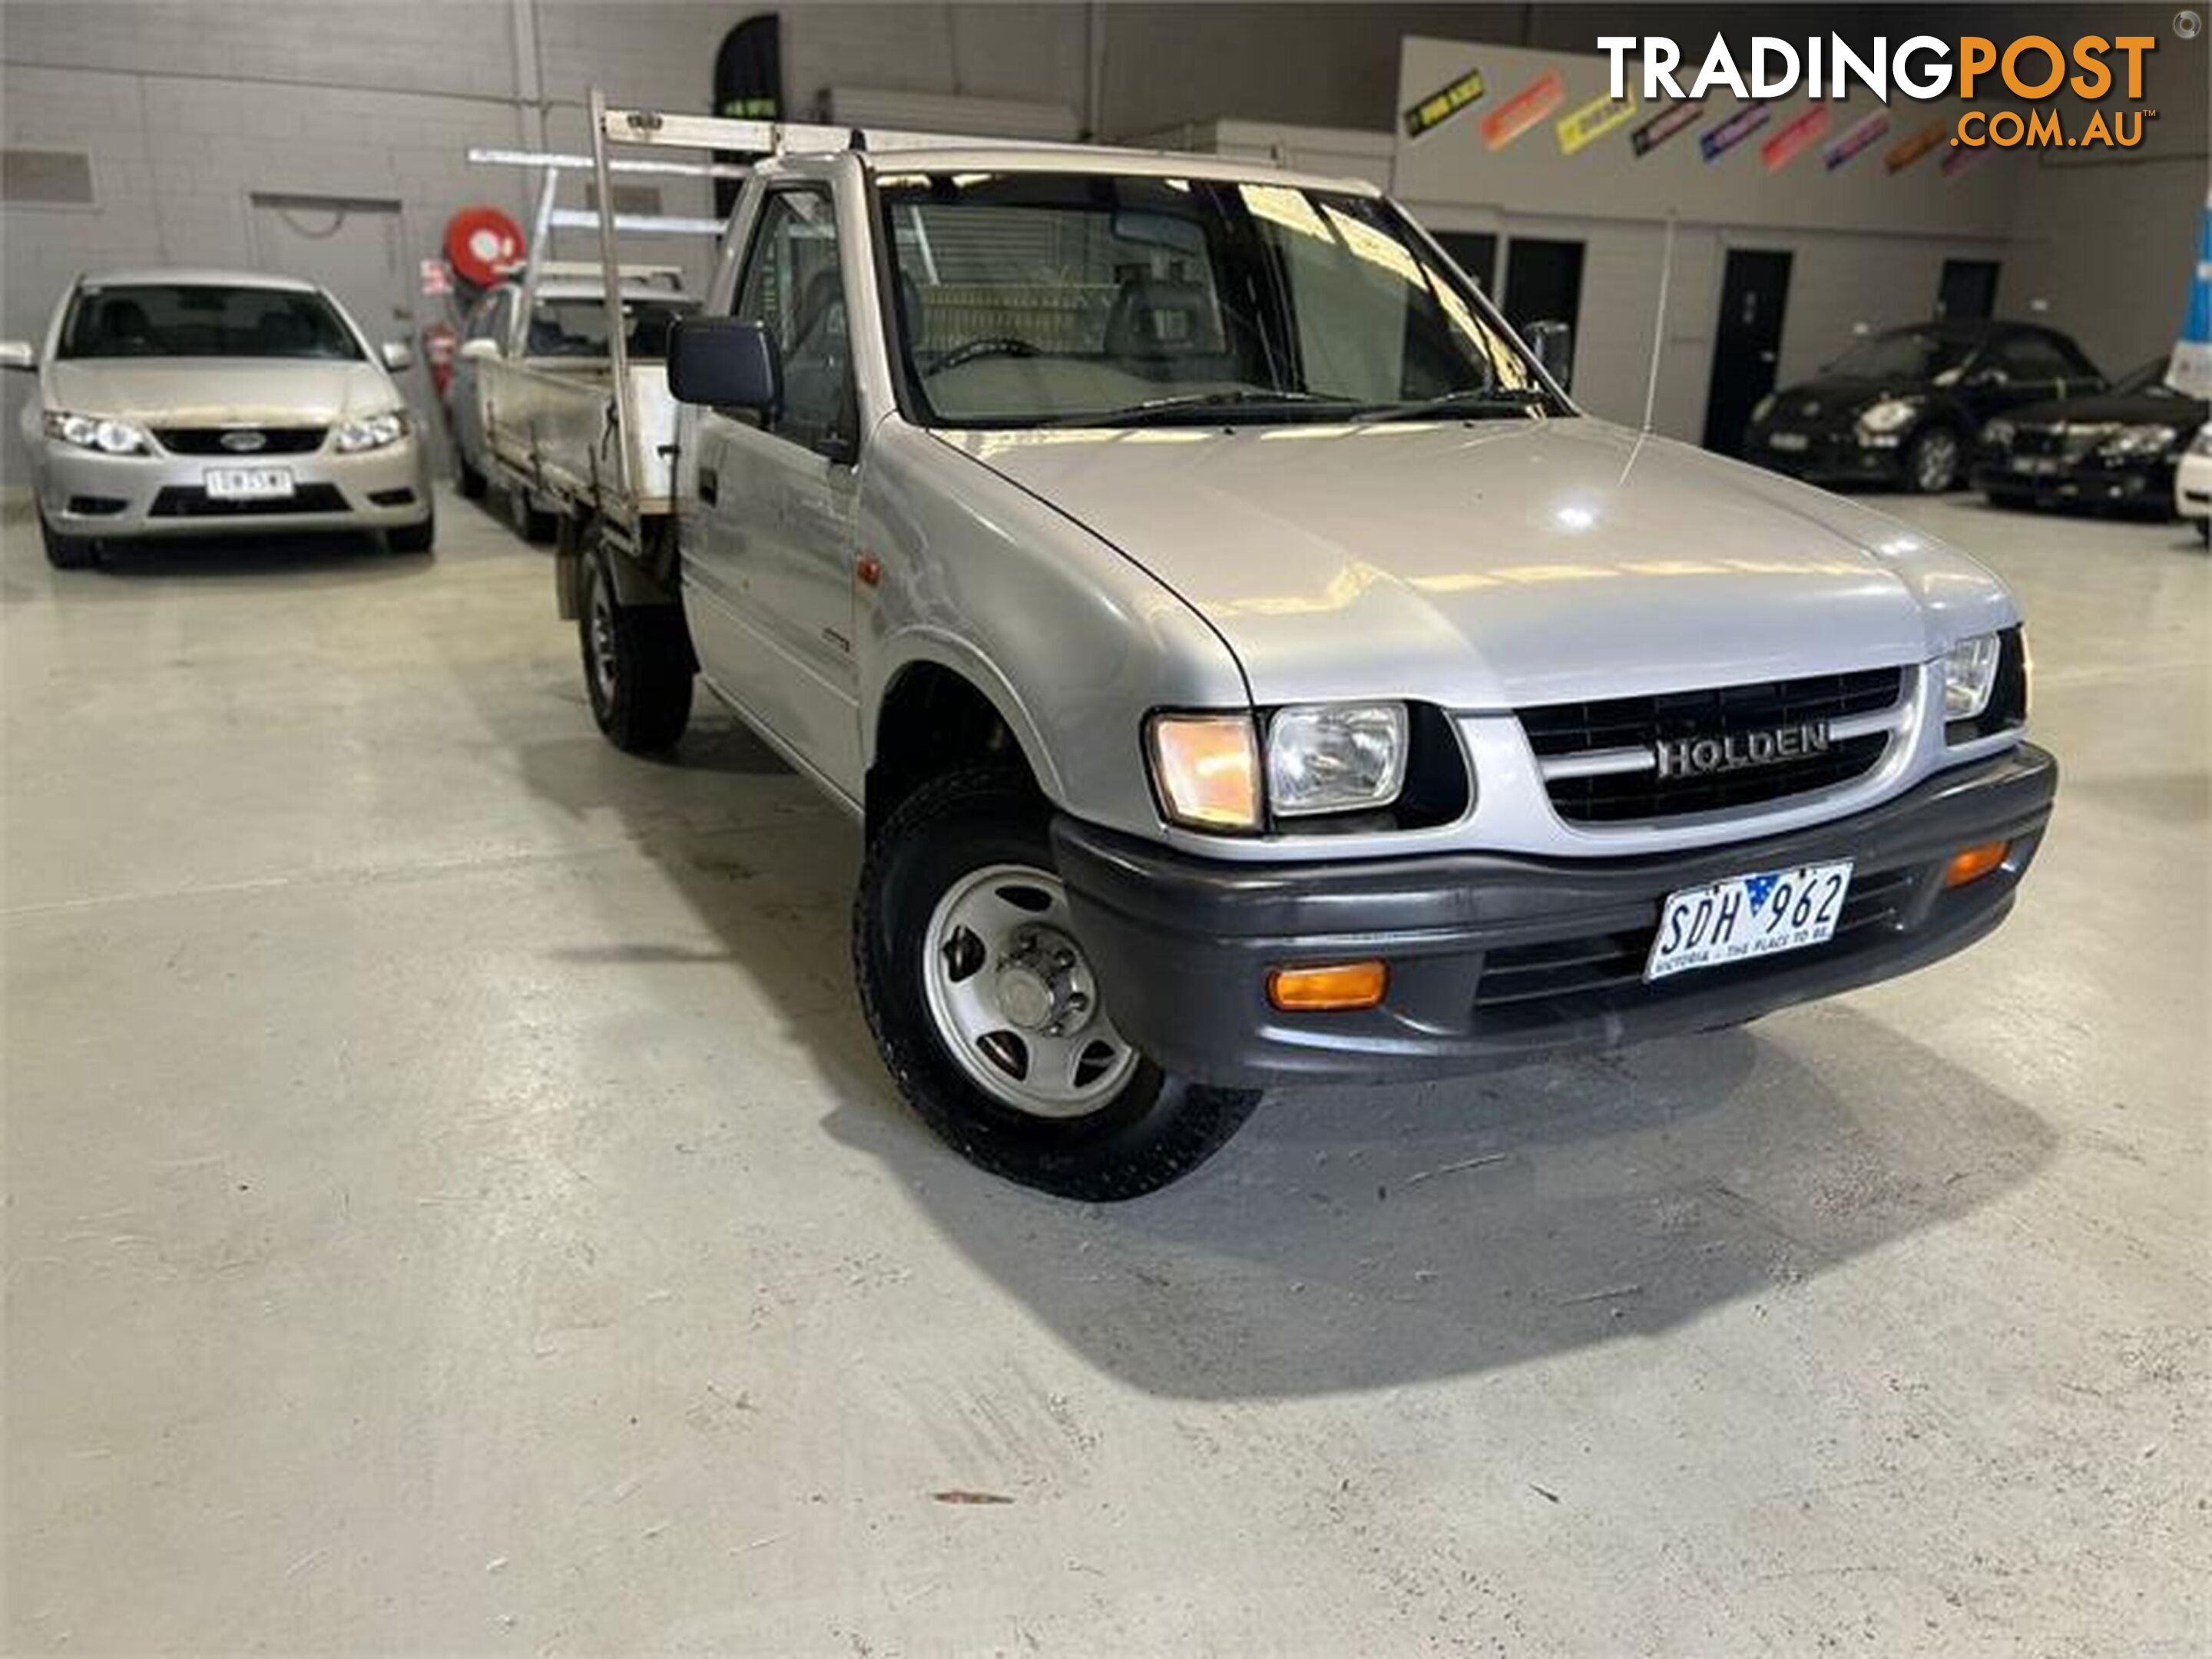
{"type": "Point", "coordinates": [567, 324]}
{"type": "Point", "coordinates": [1903, 409]}
{"type": "Point", "coordinates": [2192, 482]}
{"type": "Point", "coordinates": [181, 402]}
{"type": "Point", "coordinates": [2119, 449]}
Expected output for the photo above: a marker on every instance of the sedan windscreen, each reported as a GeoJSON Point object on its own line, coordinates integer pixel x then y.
{"type": "Point", "coordinates": [181, 320]}
{"type": "Point", "coordinates": [1907, 355]}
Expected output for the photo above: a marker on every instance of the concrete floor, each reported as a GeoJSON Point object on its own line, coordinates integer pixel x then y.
{"type": "Point", "coordinates": [453, 1205]}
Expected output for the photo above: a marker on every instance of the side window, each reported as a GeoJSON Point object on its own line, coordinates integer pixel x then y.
{"type": "Point", "coordinates": [793, 288]}
{"type": "Point", "coordinates": [2031, 357]}
{"type": "Point", "coordinates": [2078, 366]}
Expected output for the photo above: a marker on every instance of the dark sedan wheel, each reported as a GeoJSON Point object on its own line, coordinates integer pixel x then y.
{"type": "Point", "coordinates": [1932, 463]}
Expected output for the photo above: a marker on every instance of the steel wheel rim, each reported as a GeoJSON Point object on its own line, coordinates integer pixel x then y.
{"type": "Point", "coordinates": [599, 634]}
{"type": "Point", "coordinates": [1939, 458]}
{"type": "Point", "coordinates": [1013, 998]}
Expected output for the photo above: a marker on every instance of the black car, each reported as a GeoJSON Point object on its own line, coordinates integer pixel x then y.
{"type": "Point", "coordinates": [2117, 449]}
{"type": "Point", "coordinates": [1904, 407]}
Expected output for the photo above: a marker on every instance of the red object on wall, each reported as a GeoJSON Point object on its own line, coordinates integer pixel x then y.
{"type": "Point", "coordinates": [482, 245]}
{"type": "Point", "coordinates": [438, 340]}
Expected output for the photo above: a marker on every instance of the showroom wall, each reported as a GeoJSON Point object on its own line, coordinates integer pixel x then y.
{"type": "Point", "coordinates": [191, 110]}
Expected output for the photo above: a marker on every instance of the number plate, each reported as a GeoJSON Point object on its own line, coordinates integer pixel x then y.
{"type": "Point", "coordinates": [248, 484]}
{"type": "Point", "coordinates": [1748, 916]}
{"type": "Point", "coordinates": [1793, 441]}
{"type": "Point", "coordinates": [2039, 466]}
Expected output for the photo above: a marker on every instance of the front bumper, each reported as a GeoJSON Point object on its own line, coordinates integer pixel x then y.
{"type": "Point", "coordinates": [1495, 960]}
{"type": "Point", "coordinates": [1832, 456]}
{"type": "Point", "coordinates": [2146, 481]}
{"type": "Point", "coordinates": [85, 494]}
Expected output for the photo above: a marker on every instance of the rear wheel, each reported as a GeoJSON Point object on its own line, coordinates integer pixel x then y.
{"type": "Point", "coordinates": [1933, 460]}
{"type": "Point", "coordinates": [68, 552]}
{"type": "Point", "coordinates": [533, 524]}
{"type": "Point", "coordinates": [470, 483]}
{"type": "Point", "coordinates": [637, 664]}
{"type": "Point", "coordinates": [988, 1016]}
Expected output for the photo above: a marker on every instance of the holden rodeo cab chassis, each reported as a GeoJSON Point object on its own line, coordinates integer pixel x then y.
{"type": "Point", "coordinates": [1249, 664]}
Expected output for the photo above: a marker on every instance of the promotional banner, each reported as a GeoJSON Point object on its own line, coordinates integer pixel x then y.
{"type": "Point", "coordinates": [2191, 369]}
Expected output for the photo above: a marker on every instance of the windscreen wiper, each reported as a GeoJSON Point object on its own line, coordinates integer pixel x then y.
{"type": "Point", "coordinates": [1466, 400]}
{"type": "Point", "coordinates": [1154, 409]}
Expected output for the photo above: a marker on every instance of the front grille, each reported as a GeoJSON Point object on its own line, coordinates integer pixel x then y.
{"type": "Point", "coordinates": [190, 502]}
{"type": "Point", "coordinates": [1576, 728]}
{"type": "Point", "coordinates": [208, 440]}
{"type": "Point", "coordinates": [1563, 978]}
{"type": "Point", "coordinates": [2069, 441]}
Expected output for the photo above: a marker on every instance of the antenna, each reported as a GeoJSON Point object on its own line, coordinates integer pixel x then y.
{"type": "Point", "coordinates": [1659, 324]}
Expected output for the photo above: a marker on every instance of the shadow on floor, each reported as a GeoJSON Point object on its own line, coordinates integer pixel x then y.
{"type": "Point", "coordinates": [1353, 1239]}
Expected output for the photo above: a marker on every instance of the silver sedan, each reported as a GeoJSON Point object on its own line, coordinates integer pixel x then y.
{"type": "Point", "coordinates": [182, 403]}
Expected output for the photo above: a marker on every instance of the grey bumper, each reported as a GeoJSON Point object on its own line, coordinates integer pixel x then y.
{"type": "Point", "coordinates": [1498, 960]}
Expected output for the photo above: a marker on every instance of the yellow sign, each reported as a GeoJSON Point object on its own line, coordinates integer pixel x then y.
{"type": "Point", "coordinates": [1442, 104]}
{"type": "Point", "coordinates": [1579, 128]}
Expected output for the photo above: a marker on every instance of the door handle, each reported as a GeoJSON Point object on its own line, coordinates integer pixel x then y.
{"type": "Point", "coordinates": [710, 485]}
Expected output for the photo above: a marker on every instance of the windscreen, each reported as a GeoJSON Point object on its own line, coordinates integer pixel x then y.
{"type": "Point", "coordinates": [180, 319]}
{"type": "Point", "coordinates": [1906, 355]}
{"type": "Point", "coordinates": [1027, 299]}
{"type": "Point", "coordinates": [2147, 380]}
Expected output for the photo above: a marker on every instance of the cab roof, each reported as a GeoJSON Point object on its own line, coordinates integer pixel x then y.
{"type": "Point", "coordinates": [193, 277]}
{"type": "Point", "coordinates": [959, 157]}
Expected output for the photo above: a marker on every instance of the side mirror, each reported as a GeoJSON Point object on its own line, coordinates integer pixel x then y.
{"type": "Point", "coordinates": [398, 355]}
{"type": "Point", "coordinates": [1991, 376]}
{"type": "Point", "coordinates": [18, 354]}
{"type": "Point", "coordinates": [721, 362]}
{"type": "Point", "coordinates": [1553, 342]}
{"type": "Point", "coordinates": [482, 346]}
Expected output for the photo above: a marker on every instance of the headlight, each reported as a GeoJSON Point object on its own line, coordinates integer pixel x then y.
{"type": "Point", "coordinates": [2201, 444]}
{"type": "Point", "coordinates": [2138, 440]}
{"type": "Point", "coordinates": [1762, 408]}
{"type": "Point", "coordinates": [1970, 674]}
{"type": "Point", "coordinates": [1336, 757]}
{"type": "Point", "coordinates": [1207, 770]}
{"type": "Point", "coordinates": [1889, 414]}
{"type": "Point", "coordinates": [109, 437]}
{"type": "Point", "coordinates": [1998, 434]}
{"type": "Point", "coordinates": [371, 431]}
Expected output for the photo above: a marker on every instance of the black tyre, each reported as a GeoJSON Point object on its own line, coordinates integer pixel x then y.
{"type": "Point", "coordinates": [2204, 530]}
{"type": "Point", "coordinates": [986, 1013]}
{"type": "Point", "coordinates": [533, 525]}
{"type": "Point", "coordinates": [2018, 501]}
{"type": "Point", "coordinates": [470, 483]}
{"type": "Point", "coordinates": [1931, 462]}
{"type": "Point", "coordinates": [413, 538]}
{"type": "Point", "coordinates": [637, 664]}
{"type": "Point", "coordinates": [68, 552]}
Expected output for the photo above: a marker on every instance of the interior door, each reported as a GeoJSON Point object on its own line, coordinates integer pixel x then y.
{"type": "Point", "coordinates": [1543, 281]}
{"type": "Point", "coordinates": [1747, 342]}
{"type": "Point", "coordinates": [1968, 290]}
{"type": "Point", "coordinates": [354, 247]}
{"type": "Point", "coordinates": [770, 563]}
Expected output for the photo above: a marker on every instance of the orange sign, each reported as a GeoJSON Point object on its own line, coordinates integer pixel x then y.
{"type": "Point", "coordinates": [1524, 109]}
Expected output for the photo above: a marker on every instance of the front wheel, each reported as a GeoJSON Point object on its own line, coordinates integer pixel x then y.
{"type": "Point", "coordinates": [1933, 461]}
{"type": "Point", "coordinates": [470, 483]}
{"type": "Point", "coordinates": [988, 1014]}
{"type": "Point", "coordinates": [637, 664]}
{"type": "Point", "coordinates": [413, 538]}
{"type": "Point", "coordinates": [68, 552]}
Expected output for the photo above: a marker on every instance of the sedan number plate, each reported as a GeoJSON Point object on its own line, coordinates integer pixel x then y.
{"type": "Point", "coordinates": [1748, 916]}
{"type": "Point", "coordinates": [1793, 441]}
{"type": "Point", "coordinates": [2036, 466]}
{"type": "Point", "coordinates": [248, 484]}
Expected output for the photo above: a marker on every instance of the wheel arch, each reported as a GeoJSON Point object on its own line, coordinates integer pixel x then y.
{"type": "Point", "coordinates": [941, 704]}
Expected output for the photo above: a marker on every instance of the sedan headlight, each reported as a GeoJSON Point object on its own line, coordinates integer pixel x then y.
{"type": "Point", "coordinates": [1889, 415]}
{"type": "Point", "coordinates": [1335, 757]}
{"type": "Point", "coordinates": [109, 437]}
{"type": "Point", "coordinates": [2201, 444]}
{"type": "Point", "coordinates": [1206, 767]}
{"type": "Point", "coordinates": [1762, 408]}
{"type": "Point", "coordinates": [1998, 434]}
{"type": "Point", "coordinates": [2148, 439]}
{"type": "Point", "coordinates": [1970, 674]}
{"type": "Point", "coordinates": [371, 431]}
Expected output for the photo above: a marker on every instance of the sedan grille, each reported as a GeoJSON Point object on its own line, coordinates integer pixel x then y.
{"type": "Point", "coordinates": [190, 502]}
{"type": "Point", "coordinates": [209, 439]}
{"type": "Point", "coordinates": [1618, 727]}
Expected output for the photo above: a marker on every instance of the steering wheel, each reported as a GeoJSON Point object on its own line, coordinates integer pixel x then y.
{"type": "Point", "coordinates": [990, 345]}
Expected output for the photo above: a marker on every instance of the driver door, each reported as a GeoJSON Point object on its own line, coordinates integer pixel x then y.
{"type": "Point", "coordinates": [771, 568]}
